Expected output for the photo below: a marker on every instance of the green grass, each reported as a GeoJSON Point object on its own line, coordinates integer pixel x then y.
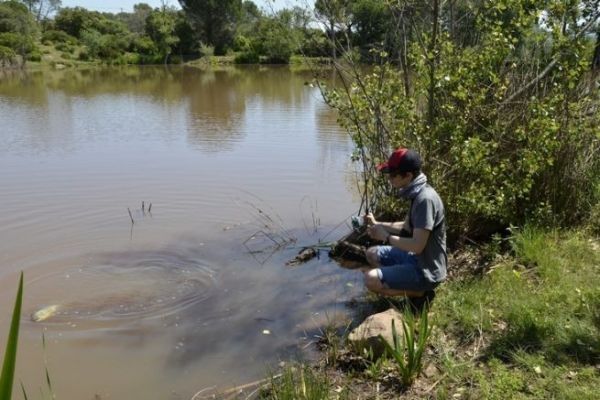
{"type": "Point", "coordinates": [530, 328]}
{"type": "Point", "coordinates": [302, 383]}
{"type": "Point", "coordinates": [409, 347]}
{"type": "Point", "coordinates": [10, 355]}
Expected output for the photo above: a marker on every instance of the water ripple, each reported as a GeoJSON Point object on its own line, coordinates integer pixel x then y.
{"type": "Point", "coordinates": [127, 286]}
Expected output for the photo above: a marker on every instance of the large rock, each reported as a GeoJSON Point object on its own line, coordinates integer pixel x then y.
{"type": "Point", "coordinates": [368, 334]}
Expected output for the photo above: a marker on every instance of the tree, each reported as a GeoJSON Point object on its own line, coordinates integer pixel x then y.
{"type": "Point", "coordinates": [160, 26]}
{"type": "Point", "coordinates": [136, 21]}
{"type": "Point", "coordinates": [41, 9]}
{"type": "Point", "coordinates": [336, 16]}
{"type": "Point", "coordinates": [214, 20]}
{"type": "Point", "coordinates": [17, 30]}
{"type": "Point", "coordinates": [73, 20]}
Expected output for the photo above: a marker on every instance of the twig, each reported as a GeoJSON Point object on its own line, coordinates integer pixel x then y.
{"type": "Point", "coordinates": [236, 389]}
{"type": "Point", "coordinates": [430, 388]}
{"type": "Point", "coordinates": [130, 216]}
{"type": "Point", "coordinates": [203, 390]}
{"type": "Point", "coordinates": [549, 67]}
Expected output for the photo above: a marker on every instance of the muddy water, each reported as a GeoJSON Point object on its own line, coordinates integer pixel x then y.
{"type": "Point", "coordinates": [241, 166]}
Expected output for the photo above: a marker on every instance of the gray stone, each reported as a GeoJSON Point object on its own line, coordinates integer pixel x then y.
{"type": "Point", "coordinates": [367, 335]}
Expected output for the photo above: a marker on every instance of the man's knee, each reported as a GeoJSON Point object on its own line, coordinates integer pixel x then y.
{"type": "Point", "coordinates": [372, 281]}
{"type": "Point", "coordinates": [372, 256]}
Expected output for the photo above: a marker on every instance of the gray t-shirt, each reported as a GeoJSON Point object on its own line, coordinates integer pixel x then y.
{"type": "Point", "coordinates": [427, 212]}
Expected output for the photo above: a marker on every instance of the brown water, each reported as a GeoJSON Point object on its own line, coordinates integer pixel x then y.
{"type": "Point", "coordinates": [241, 167]}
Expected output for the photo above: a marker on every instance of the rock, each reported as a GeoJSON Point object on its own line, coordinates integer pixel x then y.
{"type": "Point", "coordinates": [367, 335]}
{"type": "Point", "coordinates": [44, 313]}
{"type": "Point", "coordinates": [431, 371]}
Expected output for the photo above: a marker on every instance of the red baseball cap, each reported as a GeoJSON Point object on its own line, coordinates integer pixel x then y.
{"type": "Point", "coordinates": [401, 160]}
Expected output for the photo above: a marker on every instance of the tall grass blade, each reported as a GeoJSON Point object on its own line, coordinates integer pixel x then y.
{"type": "Point", "coordinates": [10, 355]}
{"type": "Point", "coordinates": [408, 350]}
{"type": "Point", "coordinates": [24, 392]}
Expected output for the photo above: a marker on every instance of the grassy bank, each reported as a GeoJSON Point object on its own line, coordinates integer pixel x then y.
{"type": "Point", "coordinates": [70, 56]}
{"type": "Point", "coordinates": [525, 325]}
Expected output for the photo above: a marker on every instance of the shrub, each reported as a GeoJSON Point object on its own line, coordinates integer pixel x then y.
{"type": "Point", "coordinates": [502, 142]}
{"type": "Point", "coordinates": [7, 55]}
{"type": "Point", "coordinates": [58, 37]}
{"type": "Point", "coordinates": [35, 56]}
{"type": "Point", "coordinates": [206, 50]}
{"type": "Point", "coordinates": [249, 57]}
{"type": "Point", "coordinates": [84, 55]}
{"type": "Point", "coordinates": [64, 47]}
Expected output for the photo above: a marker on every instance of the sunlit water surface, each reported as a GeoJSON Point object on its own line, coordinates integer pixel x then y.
{"type": "Point", "coordinates": [241, 168]}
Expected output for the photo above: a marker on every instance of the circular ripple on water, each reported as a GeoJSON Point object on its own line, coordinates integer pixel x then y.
{"type": "Point", "coordinates": [137, 285]}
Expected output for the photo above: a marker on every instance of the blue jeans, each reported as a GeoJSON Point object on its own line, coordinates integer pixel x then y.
{"type": "Point", "coordinates": [400, 270]}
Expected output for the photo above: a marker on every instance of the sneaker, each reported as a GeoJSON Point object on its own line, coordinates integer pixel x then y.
{"type": "Point", "coordinates": [417, 304]}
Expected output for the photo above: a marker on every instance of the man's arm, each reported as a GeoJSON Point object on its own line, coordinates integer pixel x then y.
{"type": "Point", "coordinates": [390, 227]}
{"type": "Point", "coordinates": [414, 244]}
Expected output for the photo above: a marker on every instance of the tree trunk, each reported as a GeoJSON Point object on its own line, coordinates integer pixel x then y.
{"type": "Point", "coordinates": [596, 59]}
{"type": "Point", "coordinates": [433, 63]}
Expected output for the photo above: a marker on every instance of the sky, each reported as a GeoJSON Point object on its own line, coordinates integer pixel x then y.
{"type": "Point", "coordinates": [115, 6]}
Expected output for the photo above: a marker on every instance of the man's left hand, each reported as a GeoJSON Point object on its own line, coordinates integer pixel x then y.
{"type": "Point", "coordinates": [378, 232]}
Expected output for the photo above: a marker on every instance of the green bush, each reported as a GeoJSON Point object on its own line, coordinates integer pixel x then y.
{"type": "Point", "coordinates": [7, 55]}
{"type": "Point", "coordinates": [35, 56]}
{"type": "Point", "coordinates": [55, 36]}
{"type": "Point", "coordinates": [65, 47]}
{"type": "Point", "coordinates": [249, 57]}
{"type": "Point", "coordinates": [501, 143]}
{"type": "Point", "coordinates": [84, 55]}
{"type": "Point", "coordinates": [143, 45]}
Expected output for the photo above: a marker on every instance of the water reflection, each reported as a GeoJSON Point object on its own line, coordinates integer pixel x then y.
{"type": "Point", "coordinates": [60, 110]}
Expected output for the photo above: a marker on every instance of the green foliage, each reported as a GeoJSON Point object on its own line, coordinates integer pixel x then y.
{"type": "Point", "coordinates": [75, 21]}
{"type": "Point", "coordinates": [275, 40]}
{"type": "Point", "coordinates": [55, 36]}
{"type": "Point", "coordinates": [504, 119]}
{"type": "Point", "coordinates": [18, 29]}
{"type": "Point", "coordinates": [160, 27]}
{"type": "Point", "coordinates": [144, 46]}
{"type": "Point", "coordinates": [531, 325]}
{"type": "Point", "coordinates": [248, 57]}
{"type": "Point", "coordinates": [34, 56]}
{"type": "Point", "coordinates": [7, 55]}
{"type": "Point", "coordinates": [300, 383]}
{"type": "Point", "coordinates": [214, 20]}
{"type": "Point", "coordinates": [408, 349]}
{"type": "Point", "coordinates": [10, 355]}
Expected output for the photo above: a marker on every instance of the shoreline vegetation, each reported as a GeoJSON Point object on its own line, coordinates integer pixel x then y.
{"type": "Point", "coordinates": [500, 99]}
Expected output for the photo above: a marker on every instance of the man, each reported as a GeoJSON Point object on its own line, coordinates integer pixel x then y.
{"type": "Point", "coordinates": [413, 260]}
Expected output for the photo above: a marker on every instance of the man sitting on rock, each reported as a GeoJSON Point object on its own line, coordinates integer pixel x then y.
{"type": "Point", "coordinates": [412, 261]}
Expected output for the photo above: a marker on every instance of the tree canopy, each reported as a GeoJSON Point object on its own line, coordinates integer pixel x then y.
{"type": "Point", "coordinates": [214, 20]}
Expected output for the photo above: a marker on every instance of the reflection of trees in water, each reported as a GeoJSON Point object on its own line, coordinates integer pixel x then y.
{"type": "Point", "coordinates": [22, 86]}
{"type": "Point", "coordinates": [159, 84]}
{"type": "Point", "coordinates": [219, 100]}
{"type": "Point", "coordinates": [215, 107]}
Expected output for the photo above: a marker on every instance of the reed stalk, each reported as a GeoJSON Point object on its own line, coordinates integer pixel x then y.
{"type": "Point", "coordinates": [10, 355]}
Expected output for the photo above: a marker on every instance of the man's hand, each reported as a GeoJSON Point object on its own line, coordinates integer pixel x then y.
{"type": "Point", "coordinates": [370, 220]}
{"type": "Point", "coordinates": [378, 232]}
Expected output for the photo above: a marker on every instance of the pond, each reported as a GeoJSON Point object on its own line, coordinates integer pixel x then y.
{"type": "Point", "coordinates": [226, 174]}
